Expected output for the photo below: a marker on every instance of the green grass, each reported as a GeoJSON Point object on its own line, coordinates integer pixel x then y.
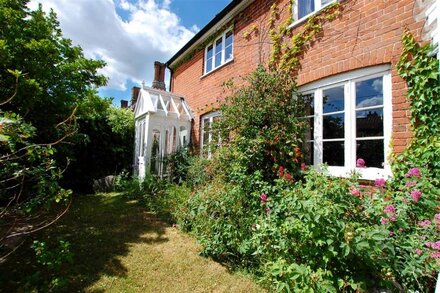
{"type": "Point", "coordinates": [120, 247]}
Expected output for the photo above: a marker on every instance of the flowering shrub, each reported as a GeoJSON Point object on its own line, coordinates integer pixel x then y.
{"type": "Point", "coordinates": [321, 233]}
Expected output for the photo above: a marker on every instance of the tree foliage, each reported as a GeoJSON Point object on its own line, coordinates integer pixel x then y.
{"type": "Point", "coordinates": [56, 76]}
{"type": "Point", "coordinates": [43, 81]}
{"type": "Point", "coordinates": [104, 144]}
{"type": "Point", "coordinates": [263, 119]}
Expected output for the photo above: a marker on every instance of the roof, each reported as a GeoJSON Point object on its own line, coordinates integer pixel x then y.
{"type": "Point", "coordinates": [153, 101]}
{"type": "Point", "coordinates": [199, 36]}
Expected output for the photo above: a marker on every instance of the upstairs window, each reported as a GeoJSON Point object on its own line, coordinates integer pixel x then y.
{"type": "Point", "coordinates": [303, 8]}
{"type": "Point", "coordinates": [219, 52]}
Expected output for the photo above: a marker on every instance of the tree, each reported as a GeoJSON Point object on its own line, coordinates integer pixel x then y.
{"type": "Point", "coordinates": [50, 79]}
{"type": "Point", "coordinates": [56, 75]}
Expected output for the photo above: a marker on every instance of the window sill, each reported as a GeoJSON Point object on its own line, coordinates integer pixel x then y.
{"type": "Point", "coordinates": [214, 70]}
{"type": "Point", "coordinates": [364, 173]}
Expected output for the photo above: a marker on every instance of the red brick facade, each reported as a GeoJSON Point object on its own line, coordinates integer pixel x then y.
{"type": "Point", "coordinates": [367, 33]}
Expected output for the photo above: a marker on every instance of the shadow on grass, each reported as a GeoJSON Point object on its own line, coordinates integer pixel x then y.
{"type": "Point", "coordinates": [101, 229]}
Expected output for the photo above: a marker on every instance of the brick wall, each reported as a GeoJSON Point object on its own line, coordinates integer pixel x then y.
{"type": "Point", "coordinates": [367, 33]}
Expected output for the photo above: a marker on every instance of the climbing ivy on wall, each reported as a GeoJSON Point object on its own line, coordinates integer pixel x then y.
{"type": "Point", "coordinates": [288, 48]}
{"type": "Point", "coordinates": [421, 72]}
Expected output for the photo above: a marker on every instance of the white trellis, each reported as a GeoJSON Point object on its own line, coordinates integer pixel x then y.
{"type": "Point", "coordinates": [163, 124]}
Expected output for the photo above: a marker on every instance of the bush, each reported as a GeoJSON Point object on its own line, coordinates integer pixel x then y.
{"type": "Point", "coordinates": [51, 261]}
{"type": "Point", "coordinates": [326, 234]}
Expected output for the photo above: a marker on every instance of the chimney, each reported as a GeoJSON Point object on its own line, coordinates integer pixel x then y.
{"type": "Point", "coordinates": [134, 95]}
{"type": "Point", "coordinates": [159, 76]}
{"type": "Point", "coordinates": [124, 104]}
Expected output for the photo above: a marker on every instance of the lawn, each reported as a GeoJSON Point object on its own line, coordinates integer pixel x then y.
{"type": "Point", "coordinates": [120, 247]}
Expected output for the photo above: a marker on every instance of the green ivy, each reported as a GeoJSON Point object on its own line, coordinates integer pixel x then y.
{"type": "Point", "coordinates": [421, 72]}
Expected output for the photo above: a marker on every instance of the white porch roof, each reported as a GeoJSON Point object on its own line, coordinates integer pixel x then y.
{"type": "Point", "coordinates": [162, 103]}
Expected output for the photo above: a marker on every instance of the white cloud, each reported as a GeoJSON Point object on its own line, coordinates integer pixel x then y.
{"type": "Point", "coordinates": [374, 101]}
{"type": "Point", "coordinates": [150, 32]}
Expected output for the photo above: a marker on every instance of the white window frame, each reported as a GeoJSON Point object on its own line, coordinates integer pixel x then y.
{"type": "Point", "coordinates": [214, 52]}
{"type": "Point", "coordinates": [348, 80]}
{"type": "Point", "coordinates": [318, 7]}
{"type": "Point", "coordinates": [203, 144]}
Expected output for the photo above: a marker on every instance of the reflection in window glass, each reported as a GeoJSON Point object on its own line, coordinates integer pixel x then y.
{"type": "Point", "coordinates": [209, 55]}
{"type": "Point", "coordinates": [333, 99]}
{"type": "Point", "coordinates": [369, 123]}
{"type": "Point", "coordinates": [308, 153]}
{"type": "Point", "coordinates": [305, 7]}
{"type": "Point", "coordinates": [369, 93]}
{"type": "Point", "coordinates": [372, 151]}
{"type": "Point", "coordinates": [228, 46]}
{"type": "Point", "coordinates": [333, 126]}
{"type": "Point", "coordinates": [333, 153]}
{"type": "Point", "coordinates": [218, 52]}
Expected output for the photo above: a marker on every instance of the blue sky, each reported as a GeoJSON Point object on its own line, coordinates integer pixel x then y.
{"type": "Point", "coordinates": [131, 34]}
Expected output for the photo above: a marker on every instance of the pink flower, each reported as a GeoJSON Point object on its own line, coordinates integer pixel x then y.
{"type": "Point", "coordinates": [425, 223]}
{"type": "Point", "coordinates": [414, 172]}
{"type": "Point", "coordinates": [410, 183]}
{"type": "Point", "coordinates": [303, 166]}
{"type": "Point", "coordinates": [267, 210]}
{"type": "Point", "coordinates": [384, 221]}
{"type": "Point", "coordinates": [437, 216]}
{"type": "Point", "coordinates": [360, 163]}
{"type": "Point", "coordinates": [288, 177]}
{"type": "Point", "coordinates": [435, 255]}
{"type": "Point", "coordinates": [416, 195]}
{"type": "Point", "coordinates": [380, 182]}
{"type": "Point", "coordinates": [419, 251]}
{"type": "Point", "coordinates": [281, 171]}
{"type": "Point", "coordinates": [391, 233]}
{"type": "Point", "coordinates": [263, 198]}
{"type": "Point", "coordinates": [354, 191]}
{"type": "Point", "coordinates": [389, 209]}
{"type": "Point", "coordinates": [435, 245]}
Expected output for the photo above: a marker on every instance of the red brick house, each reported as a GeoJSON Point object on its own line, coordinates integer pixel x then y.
{"type": "Point", "coordinates": [359, 106]}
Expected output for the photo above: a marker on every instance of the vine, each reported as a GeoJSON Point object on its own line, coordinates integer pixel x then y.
{"type": "Point", "coordinates": [287, 55]}
{"type": "Point", "coordinates": [420, 71]}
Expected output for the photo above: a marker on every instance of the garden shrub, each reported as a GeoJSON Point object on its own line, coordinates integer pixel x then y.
{"type": "Point", "coordinates": [51, 262]}
{"type": "Point", "coordinates": [323, 233]}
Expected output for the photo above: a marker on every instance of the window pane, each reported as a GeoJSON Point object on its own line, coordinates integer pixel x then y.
{"type": "Point", "coordinates": [228, 53]}
{"type": "Point", "coordinates": [333, 153]}
{"type": "Point", "coordinates": [228, 39]}
{"type": "Point", "coordinates": [209, 52]}
{"type": "Point", "coordinates": [372, 151]}
{"type": "Point", "coordinates": [308, 153]}
{"type": "Point", "coordinates": [309, 104]}
{"type": "Point", "coordinates": [369, 123]}
{"type": "Point", "coordinates": [209, 65]}
{"type": "Point", "coordinates": [333, 126]}
{"type": "Point", "coordinates": [325, 2]}
{"type": "Point", "coordinates": [333, 99]}
{"type": "Point", "coordinates": [369, 93]}
{"type": "Point", "coordinates": [218, 59]}
{"type": "Point", "coordinates": [218, 52]}
{"type": "Point", "coordinates": [311, 128]}
{"type": "Point", "coordinates": [305, 7]}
